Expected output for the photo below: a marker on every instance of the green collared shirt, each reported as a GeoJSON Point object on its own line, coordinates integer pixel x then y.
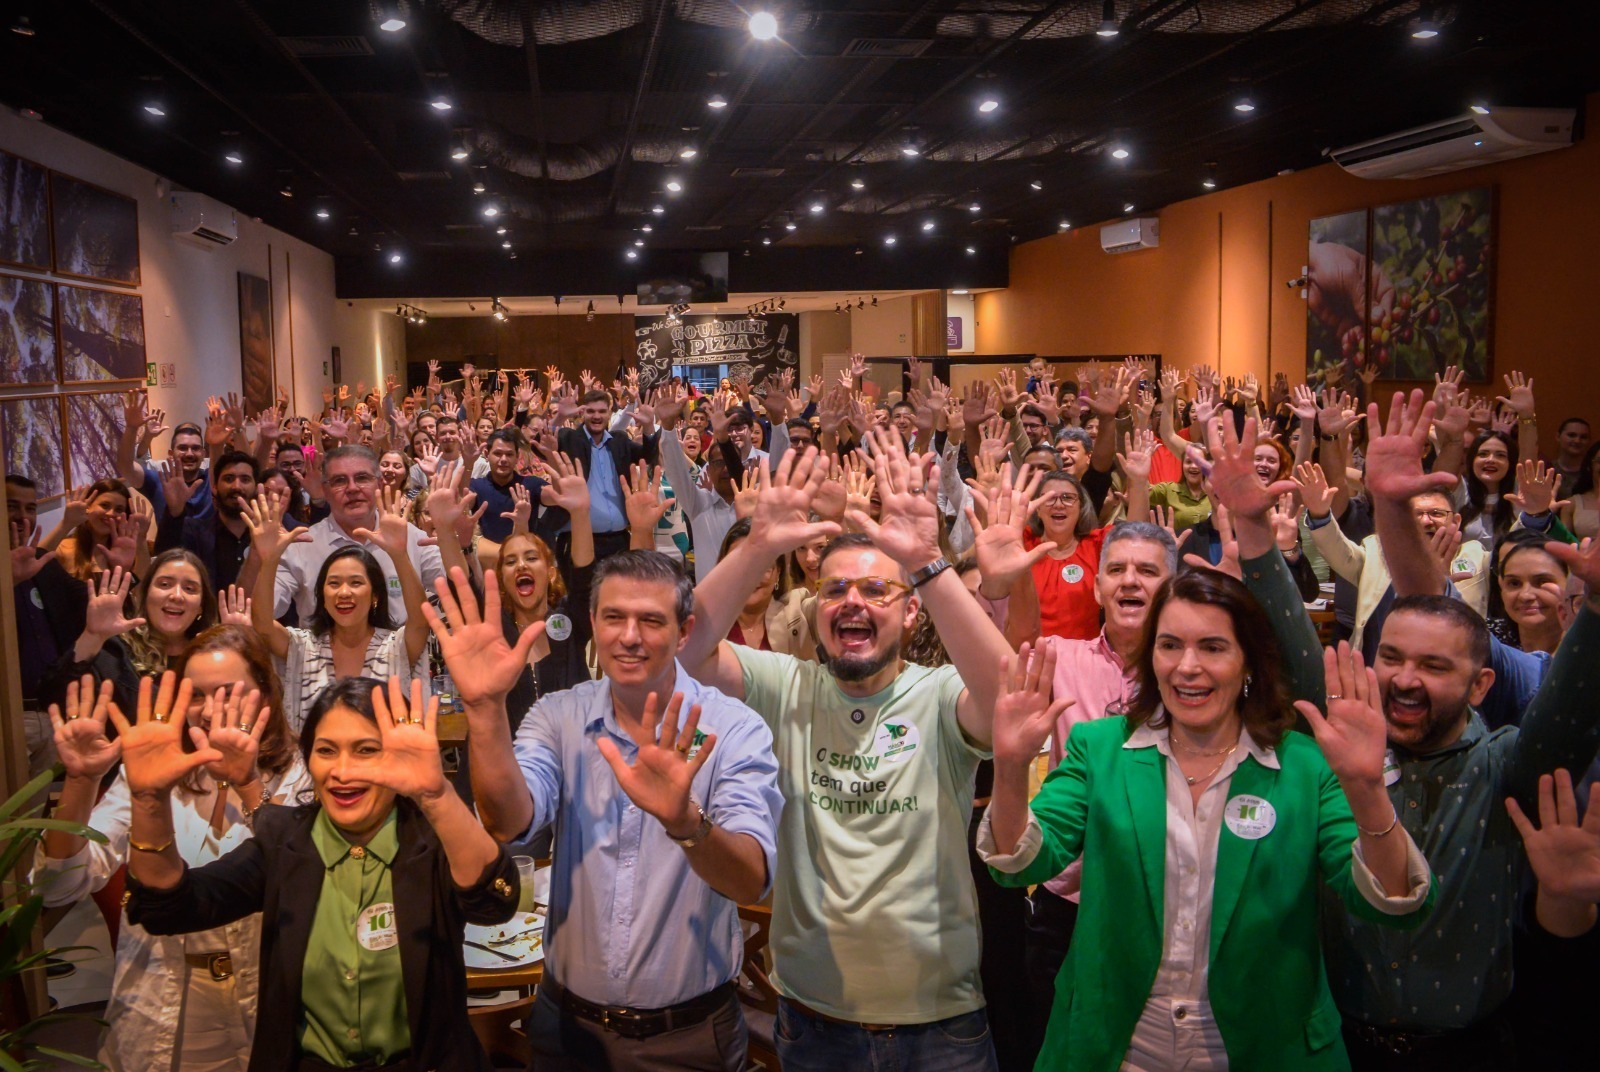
{"type": "Point", "coordinates": [1188, 509]}
{"type": "Point", "coordinates": [352, 993]}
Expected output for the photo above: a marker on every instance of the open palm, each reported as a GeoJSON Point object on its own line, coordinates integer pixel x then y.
{"type": "Point", "coordinates": [81, 735]}
{"type": "Point", "coordinates": [659, 779]}
{"type": "Point", "coordinates": [153, 758]}
{"type": "Point", "coordinates": [1354, 734]}
{"type": "Point", "coordinates": [483, 666]}
{"type": "Point", "coordinates": [409, 731]}
{"type": "Point", "coordinates": [1564, 853]}
{"type": "Point", "coordinates": [1024, 717]}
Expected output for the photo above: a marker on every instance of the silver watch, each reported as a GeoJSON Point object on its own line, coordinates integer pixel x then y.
{"type": "Point", "coordinates": [701, 832]}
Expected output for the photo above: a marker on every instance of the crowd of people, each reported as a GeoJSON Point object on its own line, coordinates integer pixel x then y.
{"type": "Point", "coordinates": [1307, 674]}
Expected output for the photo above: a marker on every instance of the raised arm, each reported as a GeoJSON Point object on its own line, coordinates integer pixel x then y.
{"type": "Point", "coordinates": [1394, 477]}
{"type": "Point", "coordinates": [135, 414]}
{"type": "Point", "coordinates": [393, 537]}
{"type": "Point", "coordinates": [268, 541]}
{"type": "Point", "coordinates": [569, 491]}
{"type": "Point", "coordinates": [449, 504]}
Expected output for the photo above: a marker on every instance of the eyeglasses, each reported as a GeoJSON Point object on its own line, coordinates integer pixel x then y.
{"type": "Point", "coordinates": [360, 480]}
{"type": "Point", "coordinates": [1433, 515]}
{"type": "Point", "coordinates": [876, 591]}
{"type": "Point", "coordinates": [1066, 498]}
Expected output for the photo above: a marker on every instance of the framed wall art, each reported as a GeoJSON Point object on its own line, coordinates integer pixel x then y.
{"type": "Point", "coordinates": [95, 423]}
{"type": "Point", "coordinates": [100, 335]}
{"type": "Point", "coordinates": [27, 332]}
{"type": "Point", "coordinates": [94, 232]}
{"type": "Point", "coordinates": [30, 430]}
{"type": "Point", "coordinates": [255, 342]}
{"type": "Point", "coordinates": [24, 213]}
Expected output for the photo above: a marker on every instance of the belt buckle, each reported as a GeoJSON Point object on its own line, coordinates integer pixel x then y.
{"type": "Point", "coordinates": [221, 966]}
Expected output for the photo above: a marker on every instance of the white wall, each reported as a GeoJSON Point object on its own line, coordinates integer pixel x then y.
{"type": "Point", "coordinates": [191, 303]}
{"type": "Point", "coordinates": [962, 306]}
{"type": "Point", "coordinates": [371, 342]}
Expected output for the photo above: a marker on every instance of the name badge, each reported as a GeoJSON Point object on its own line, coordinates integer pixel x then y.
{"type": "Point", "coordinates": [1391, 767]}
{"type": "Point", "coordinates": [558, 626]}
{"type": "Point", "coordinates": [1249, 817]}
{"type": "Point", "coordinates": [375, 928]}
{"type": "Point", "coordinates": [1072, 573]}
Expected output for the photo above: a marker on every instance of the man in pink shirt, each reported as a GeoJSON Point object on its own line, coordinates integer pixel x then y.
{"type": "Point", "coordinates": [1135, 561]}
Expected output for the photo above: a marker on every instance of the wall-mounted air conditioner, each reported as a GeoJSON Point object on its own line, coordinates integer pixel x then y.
{"type": "Point", "coordinates": [200, 221]}
{"type": "Point", "coordinates": [1480, 136]}
{"type": "Point", "coordinates": [1127, 235]}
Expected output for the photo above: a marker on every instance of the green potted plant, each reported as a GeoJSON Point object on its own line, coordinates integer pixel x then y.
{"type": "Point", "coordinates": [21, 905]}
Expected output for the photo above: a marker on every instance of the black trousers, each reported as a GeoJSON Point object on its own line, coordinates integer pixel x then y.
{"type": "Point", "coordinates": [1050, 925]}
{"type": "Point", "coordinates": [1486, 1046]}
{"type": "Point", "coordinates": [1002, 922]}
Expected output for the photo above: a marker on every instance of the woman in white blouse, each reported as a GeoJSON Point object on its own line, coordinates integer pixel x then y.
{"type": "Point", "coordinates": [187, 1002]}
{"type": "Point", "coordinates": [350, 633]}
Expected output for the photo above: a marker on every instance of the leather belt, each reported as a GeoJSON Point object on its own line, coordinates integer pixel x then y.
{"type": "Point", "coordinates": [807, 1010]}
{"type": "Point", "coordinates": [1466, 1040]}
{"type": "Point", "coordinates": [634, 1023]}
{"type": "Point", "coordinates": [220, 965]}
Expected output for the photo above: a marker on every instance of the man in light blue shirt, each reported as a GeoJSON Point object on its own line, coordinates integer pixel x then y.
{"type": "Point", "coordinates": [666, 814]}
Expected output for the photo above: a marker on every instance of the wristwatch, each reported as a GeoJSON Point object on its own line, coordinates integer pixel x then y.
{"type": "Point", "coordinates": [929, 572]}
{"type": "Point", "coordinates": [701, 832]}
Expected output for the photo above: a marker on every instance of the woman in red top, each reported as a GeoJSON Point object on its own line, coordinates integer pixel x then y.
{"type": "Point", "coordinates": [1065, 576]}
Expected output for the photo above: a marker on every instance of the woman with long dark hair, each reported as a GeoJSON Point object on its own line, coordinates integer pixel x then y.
{"type": "Point", "coordinates": [351, 633]}
{"type": "Point", "coordinates": [1487, 512]}
{"type": "Point", "coordinates": [364, 893]}
{"type": "Point", "coordinates": [93, 521]}
{"type": "Point", "coordinates": [181, 1004]}
{"type": "Point", "coordinates": [1173, 798]}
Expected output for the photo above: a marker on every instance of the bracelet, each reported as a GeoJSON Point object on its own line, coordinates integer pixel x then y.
{"type": "Point", "coordinates": [1527, 420]}
{"type": "Point", "coordinates": [250, 813]}
{"type": "Point", "coordinates": [136, 847]}
{"type": "Point", "coordinates": [1328, 438]}
{"type": "Point", "coordinates": [1385, 832]}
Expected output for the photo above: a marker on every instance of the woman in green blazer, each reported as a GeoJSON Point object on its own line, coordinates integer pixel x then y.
{"type": "Point", "coordinates": [1206, 830]}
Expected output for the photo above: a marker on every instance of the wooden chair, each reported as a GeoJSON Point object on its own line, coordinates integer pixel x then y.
{"type": "Point", "coordinates": [756, 992]}
{"type": "Point", "coordinates": [499, 1029]}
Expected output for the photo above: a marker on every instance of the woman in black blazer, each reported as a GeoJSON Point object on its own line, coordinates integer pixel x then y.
{"type": "Point", "coordinates": [374, 762]}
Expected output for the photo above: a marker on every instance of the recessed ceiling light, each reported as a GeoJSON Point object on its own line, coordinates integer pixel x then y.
{"type": "Point", "coordinates": [1209, 183]}
{"type": "Point", "coordinates": [972, 249]}
{"type": "Point", "coordinates": [22, 27]}
{"type": "Point", "coordinates": [499, 230]}
{"type": "Point", "coordinates": [1064, 225]}
{"type": "Point", "coordinates": [766, 240]}
{"type": "Point", "coordinates": [323, 213]}
{"type": "Point", "coordinates": [1120, 153]}
{"type": "Point", "coordinates": [674, 186]}
{"type": "Point", "coordinates": [1036, 185]}
{"type": "Point", "coordinates": [974, 207]}
{"type": "Point", "coordinates": [763, 26]}
{"type": "Point", "coordinates": [857, 184]}
{"type": "Point", "coordinates": [491, 211]}
{"type": "Point", "coordinates": [633, 255]}
{"type": "Point", "coordinates": [1480, 109]}
{"type": "Point", "coordinates": [1128, 207]}
{"type": "Point", "coordinates": [647, 228]}
{"type": "Point", "coordinates": [478, 187]}
{"type": "Point", "coordinates": [889, 240]}
{"type": "Point", "coordinates": [233, 156]}
{"type": "Point", "coordinates": [1108, 20]}
{"type": "Point", "coordinates": [505, 245]}
{"type": "Point", "coordinates": [1244, 104]}
{"type": "Point", "coordinates": [1478, 142]}
{"type": "Point", "coordinates": [395, 257]}
{"type": "Point", "coordinates": [441, 105]}
{"type": "Point", "coordinates": [1425, 30]}
{"type": "Point", "coordinates": [638, 241]}
{"type": "Point", "coordinates": [688, 154]}
{"type": "Point", "coordinates": [286, 190]}
{"type": "Point", "coordinates": [155, 109]}
{"type": "Point", "coordinates": [658, 210]}
{"type": "Point", "coordinates": [911, 151]}
{"type": "Point", "coordinates": [988, 106]}
{"type": "Point", "coordinates": [392, 24]}
{"type": "Point", "coordinates": [816, 208]}
{"type": "Point", "coordinates": [459, 153]}
{"type": "Point", "coordinates": [960, 290]}
{"type": "Point", "coordinates": [790, 226]}
{"type": "Point", "coordinates": [717, 100]}
{"type": "Point", "coordinates": [927, 225]}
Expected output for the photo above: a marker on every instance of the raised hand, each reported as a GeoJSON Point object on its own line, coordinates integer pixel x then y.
{"type": "Point", "coordinates": [1563, 852]}
{"type": "Point", "coordinates": [263, 516]}
{"type": "Point", "coordinates": [122, 547]}
{"type": "Point", "coordinates": [642, 500]}
{"type": "Point", "coordinates": [1135, 454]}
{"type": "Point", "coordinates": [1234, 482]}
{"type": "Point", "coordinates": [521, 509]}
{"type": "Point", "coordinates": [1024, 716]}
{"type": "Point", "coordinates": [233, 606]}
{"type": "Point", "coordinates": [908, 531]}
{"type": "Point", "coordinates": [1536, 488]}
{"type": "Point", "coordinates": [1354, 734]}
{"type": "Point", "coordinates": [153, 758]}
{"type": "Point", "coordinates": [858, 484]}
{"type": "Point", "coordinates": [1304, 403]}
{"type": "Point", "coordinates": [75, 508]}
{"type": "Point", "coordinates": [236, 720]}
{"type": "Point", "coordinates": [393, 531]}
{"type": "Point", "coordinates": [1336, 412]}
{"type": "Point", "coordinates": [1583, 559]}
{"type": "Point", "coordinates": [26, 560]}
{"type": "Point", "coordinates": [568, 488]}
{"type": "Point", "coordinates": [1314, 490]}
{"type": "Point", "coordinates": [428, 459]}
{"type": "Point", "coordinates": [1108, 397]}
{"type": "Point", "coordinates": [482, 664]}
{"type": "Point", "coordinates": [410, 764]}
{"type": "Point", "coordinates": [782, 518]}
{"type": "Point", "coordinates": [748, 492]}
{"type": "Point", "coordinates": [176, 490]}
{"type": "Point", "coordinates": [1285, 520]}
{"type": "Point", "coordinates": [1519, 395]}
{"type": "Point", "coordinates": [81, 734]}
{"type": "Point", "coordinates": [108, 596]}
{"type": "Point", "coordinates": [1002, 557]}
{"type": "Point", "coordinates": [662, 774]}
{"type": "Point", "coordinates": [1394, 459]}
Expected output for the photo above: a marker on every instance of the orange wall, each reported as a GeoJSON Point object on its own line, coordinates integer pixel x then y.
{"type": "Point", "coordinates": [1214, 291]}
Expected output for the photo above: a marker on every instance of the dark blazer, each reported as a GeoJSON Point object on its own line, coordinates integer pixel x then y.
{"type": "Point", "coordinates": [1207, 541]}
{"type": "Point", "coordinates": [565, 666]}
{"type": "Point", "coordinates": [279, 874]}
{"type": "Point", "coordinates": [577, 445]}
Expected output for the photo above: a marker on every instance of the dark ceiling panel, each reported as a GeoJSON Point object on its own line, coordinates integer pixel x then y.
{"type": "Point", "coordinates": [312, 93]}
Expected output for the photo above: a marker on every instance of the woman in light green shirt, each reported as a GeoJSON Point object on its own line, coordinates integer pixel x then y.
{"type": "Point", "coordinates": [364, 895]}
{"type": "Point", "coordinates": [1187, 498]}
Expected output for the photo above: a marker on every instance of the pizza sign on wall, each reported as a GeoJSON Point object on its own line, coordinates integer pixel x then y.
{"type": "Point", "coordinates": [754, 345]}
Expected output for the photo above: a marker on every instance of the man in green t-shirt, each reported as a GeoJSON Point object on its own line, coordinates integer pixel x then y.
{"type": "Point", "coordinates": [874, 921]}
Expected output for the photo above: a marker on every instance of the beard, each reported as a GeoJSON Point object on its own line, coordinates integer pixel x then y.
{"type": "Point", "coordinates": [852, 668]}
{"type": "Point", "coordinates": [1438, 725]}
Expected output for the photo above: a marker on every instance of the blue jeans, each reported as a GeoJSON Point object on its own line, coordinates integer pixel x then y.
{"type": "Point", "coordinates": [959, 1044]}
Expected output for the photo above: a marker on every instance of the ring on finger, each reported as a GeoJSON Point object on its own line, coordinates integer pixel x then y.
{"type": "Point", "coordinates": [160, 716]}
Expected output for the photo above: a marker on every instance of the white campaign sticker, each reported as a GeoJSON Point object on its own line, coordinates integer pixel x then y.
{"type": "Point", "coordinates": [1391, 767]}
{"type": "Point", "coordinates": [896, 741]}
{"type": "Point", "coordinates": [1072, 573]}
{"type": "Point", "coordinates": [36, 599]}
{"type": "Point", "coordinates": [1249, 817]}
{"type": "Point", "coordinates": [558, 626]}
{"type": "Point", "coordinates": [375, 928]}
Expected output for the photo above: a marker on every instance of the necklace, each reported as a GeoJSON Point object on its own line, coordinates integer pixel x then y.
{"type": "Point", "coordinates": [1212, 772]}
{"type": "Point", "coordinates": [1197, 752]}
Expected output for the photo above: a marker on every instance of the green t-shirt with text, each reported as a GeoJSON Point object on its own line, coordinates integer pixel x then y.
{"type": "Point", "coordinates": [874, 915]}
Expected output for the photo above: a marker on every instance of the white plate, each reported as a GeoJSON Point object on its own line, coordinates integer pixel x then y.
{"type": "Point", "coordinates": [528, 948]}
